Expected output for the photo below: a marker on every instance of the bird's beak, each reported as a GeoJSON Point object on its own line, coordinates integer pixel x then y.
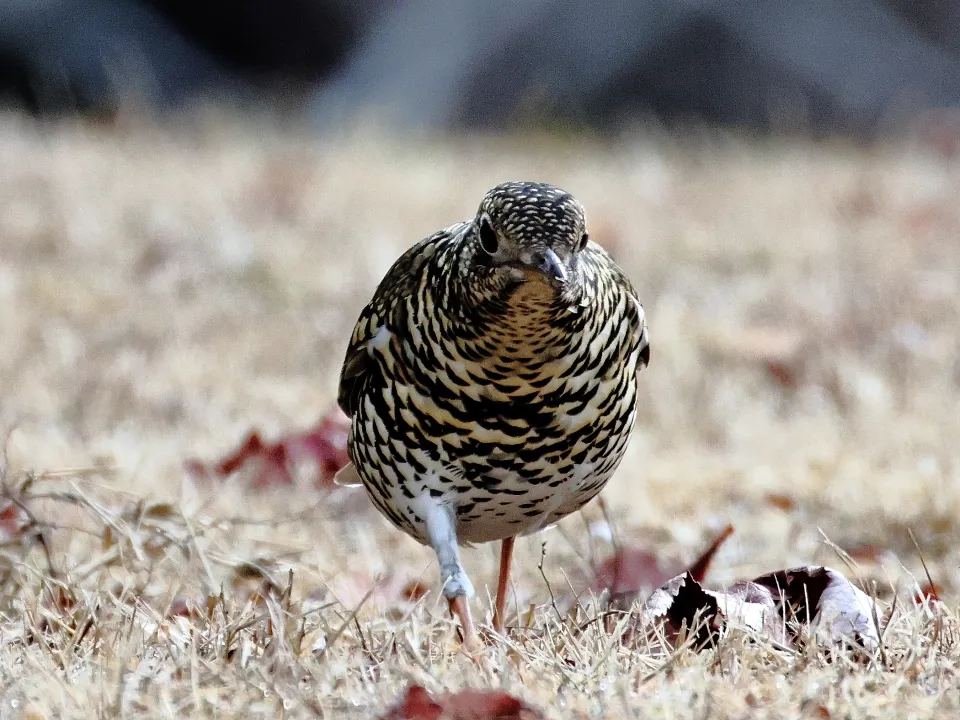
{"type": "Point", "coordinates": [553, 267]}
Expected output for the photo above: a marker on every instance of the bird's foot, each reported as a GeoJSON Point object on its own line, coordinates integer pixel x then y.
{"type": "Point", "coordinates": [473, 647]}
{"type": "Point", "coordinates": [471, 643]}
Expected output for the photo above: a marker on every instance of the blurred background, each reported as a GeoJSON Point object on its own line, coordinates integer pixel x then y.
{"type": "Point", "coordinates": [198, 198]}
{"type": "Point", "coordinates": [857, 66]}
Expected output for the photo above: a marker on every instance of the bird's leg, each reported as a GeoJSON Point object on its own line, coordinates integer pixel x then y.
{"type": "Point", "coordinates": [456, 585]}
{"type": "Point", "coordinates": [460, 609]}
{"type": "Point", "coordinates": [499, 610]}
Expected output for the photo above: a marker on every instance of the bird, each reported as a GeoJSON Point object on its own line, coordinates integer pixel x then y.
{"type": "Point", "coordinates": [492, 382]}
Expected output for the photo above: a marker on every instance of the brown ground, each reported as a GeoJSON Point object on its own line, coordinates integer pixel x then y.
{"type": "Point", "coordinates": [163, 291]}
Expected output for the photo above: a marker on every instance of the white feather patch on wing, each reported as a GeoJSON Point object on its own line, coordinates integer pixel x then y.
{"type": "Point", "coordinates": [347, 476]}
{"type": "Point", "coordinates": [380, 339]}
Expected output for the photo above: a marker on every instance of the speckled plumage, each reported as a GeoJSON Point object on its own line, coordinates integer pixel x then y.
{"type": "Point", "coordinates": [498, 390]}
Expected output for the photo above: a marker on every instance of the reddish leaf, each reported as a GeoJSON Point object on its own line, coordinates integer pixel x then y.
{"type": "Point", "coordinates": [784, 374]}
{"type": "Point", "coordinates": [61, 603]}
{"type": "Point", "coordinates": [698, 569]}
{"type": "Point", "coordinates": [12, 522]}
{"type": "Point", "coordinates": [414, 590]}
{"type": "Point", "coordinates": [63, 599]}
{"type": "Point", "coordinates": [926, 595]}
{"type": "Point", "coordinates": [417, 704]}
{"type": "Point", "coordinates": [270, 463]}
{"type": "Point", "coordinates": [777, 349]}
{"type": "Point", "coordinates": [326, 445]}
{"type": "Point", "coordinates": [184, 606]}
{"type": "Point", "coordinates": [868, 552]}
{"type": "Point", "coordinates": [782, 502]}
{"type": "Point", "coordinates": [273, 463]}
{"type": "Point", "coordinates": [630, 570]}
{"type": "Point", "coordinates": [253, 448]}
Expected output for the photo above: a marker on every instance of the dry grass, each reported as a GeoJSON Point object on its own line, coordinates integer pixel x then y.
{"type": "Point", "coordinates": [163, 291]}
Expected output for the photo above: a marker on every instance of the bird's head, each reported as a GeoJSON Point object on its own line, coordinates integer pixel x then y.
{"type": "Point", "coordinates": [527, 232]}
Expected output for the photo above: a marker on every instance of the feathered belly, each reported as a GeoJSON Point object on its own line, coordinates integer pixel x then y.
{"type": "Point", "coordinates": [505, 467]}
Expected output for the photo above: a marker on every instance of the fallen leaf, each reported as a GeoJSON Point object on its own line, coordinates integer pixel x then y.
{"type": "Point", "coordinates": [868, 553]}
{"type": "Point", "coordinates": [59, 609]}
{"type": "Point", "coordinates": [680, 603]}
{"type": "Point", "coordinates": [827, 599]}
{"type": "Point", "coordinates": [698, 570]}
{"type": "Point", "coordinates": [327, 446]}
{"type": "Point", "coordinates": [12, 522]}
{"type": "Point", "coordinates": [752, 607]}
{"type": "Point", "coordinates": [274, 463]}
{"type": "Point", "coordinates": [414, 590]}
{"type": "Point", "coordinates": [926, 595]}
{"type": "Point", "coordinates": [777, 350]}
{"type": "Point", "coordinates": [418, 704]}
{"type": "Point", "coordinates": [684, 603]}
{"type": "Point", "coordinates": [252, 582]}
{"type": "Point", "coordinates": [775, 605]}
{"type": "Point", "coordinates": [786, 375]}
{"type": "Point", "coordinates": [629, 571]}
{"type": "Point", "coordinates": [158, 511]}
{"type": "Point", "coordinates": [781, 502]}
{"type": "Point", "coordinates": [184, 606]}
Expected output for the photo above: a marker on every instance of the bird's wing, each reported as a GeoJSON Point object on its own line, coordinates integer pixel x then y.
{"type": "Point", "coordinates": [641, 334]}
{"type": "Point", "coordinates": [385, 316]}
{"type": "Point", "coordinates": [637, 319]}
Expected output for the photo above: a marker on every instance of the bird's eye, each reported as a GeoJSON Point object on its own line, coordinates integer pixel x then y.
{"type": "Point", "coordinates": [488, 237]}
{"type": "Point", "coordinates": [583, 241]}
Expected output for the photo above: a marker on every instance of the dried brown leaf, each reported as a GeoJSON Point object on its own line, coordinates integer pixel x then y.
{"type": "Point", "coordinates": [929, 593]}
{"type": "Point", "coordinates": [414, 590]}
{"type": "Point", "coordinates": [828, 600]}
{"type": "Point", "coordinates": [418, 704]}
{"type": "Point", "coordinates": [273, 463]}
{"type": "Point", "coordinates": [777, 350]}
{"type": "Point", "coordinates": [631, 570]}
{"type": "Point", "coordinates": [158, 511]}
{"type": "Point", "coordinates": [780, 501]}
{"type": "Point", "coordinates": [628, 571]}
{"type": "Point", "coordinates": [698, 569]}
{"type": "Point", "coordinates": [683, 603]}
{"type": "Point", "coordinates": [12, 521]}
{"type": "Point", "coordinates": [184, 606]}
{"type": "Point", "coordinates": [773, 605]}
